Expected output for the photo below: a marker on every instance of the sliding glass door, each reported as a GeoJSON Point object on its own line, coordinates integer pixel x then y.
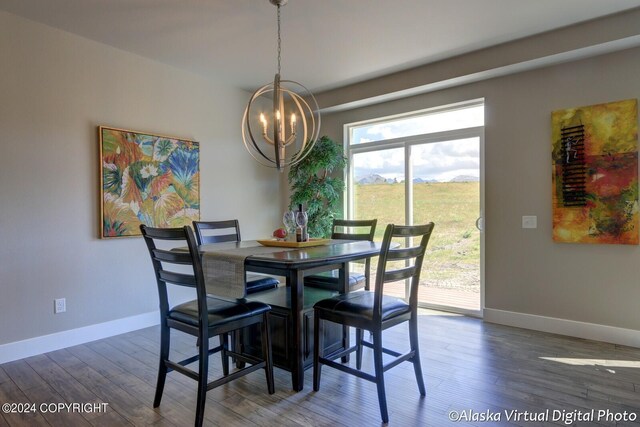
{"type": "Point", "coordinates": [400, 176]}
{"type": "Point", "coordinates": [446, 190]}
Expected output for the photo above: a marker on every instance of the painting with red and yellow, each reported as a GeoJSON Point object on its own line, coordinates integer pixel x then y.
{"type": "Point", "coordinates": [595, 174]}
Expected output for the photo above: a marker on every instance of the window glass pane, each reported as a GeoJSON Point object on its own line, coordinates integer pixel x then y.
{"type": "Point", "coordinates": [378, 192]}
{"type": "Point", "coordinates": [378, 187]}
{"type": "Point", "coordinates": [446, 191]}
{"type": "Point", "coordinates": [417, 125]}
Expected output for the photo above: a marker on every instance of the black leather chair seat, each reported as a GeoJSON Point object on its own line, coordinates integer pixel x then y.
{"type": "Point", "coordinates": [329, 280]}
{"type": "Point", "coordinates": [220, 311]}
{"type": "Point", "coordinates": [359, 305]}
{"type": "Point", "coordinates": [258, 283]}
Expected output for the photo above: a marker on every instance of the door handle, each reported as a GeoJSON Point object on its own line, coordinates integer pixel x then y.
{"type": "Point", "coordinates": [480, 223]}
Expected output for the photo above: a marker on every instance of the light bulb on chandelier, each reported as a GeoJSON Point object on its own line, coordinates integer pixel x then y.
{"type": "Point", "coordinates": [278, 144]}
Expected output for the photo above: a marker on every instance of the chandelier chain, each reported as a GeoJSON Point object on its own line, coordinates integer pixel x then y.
{"type": "Point", "coordinates": [279, 40]}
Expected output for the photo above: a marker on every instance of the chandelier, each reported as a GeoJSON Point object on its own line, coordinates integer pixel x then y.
{"type": "Point", "coordinates": [282, 121]}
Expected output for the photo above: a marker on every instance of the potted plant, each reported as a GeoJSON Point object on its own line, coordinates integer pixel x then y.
{"type": "Point", "coordinates": [316, 187]}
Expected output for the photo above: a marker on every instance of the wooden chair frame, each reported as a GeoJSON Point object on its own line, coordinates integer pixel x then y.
{"type": "Point", "coordinates": [376, 324]}
{"type": "Point", "coordinates": [195, 280]}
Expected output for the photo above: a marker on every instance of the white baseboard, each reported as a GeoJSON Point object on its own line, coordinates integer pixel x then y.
{"type": "Point", "coordinates": [590, 331]}
{"type": "Point", "coordinates": [43, 344]}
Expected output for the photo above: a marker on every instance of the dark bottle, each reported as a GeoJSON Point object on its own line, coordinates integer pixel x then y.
{"type": "Point", "coordinates": [301, 231]}
{"type": "Point", "coordinates": [298, 234]}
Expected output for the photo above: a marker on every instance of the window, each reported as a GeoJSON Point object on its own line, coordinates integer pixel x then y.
{"type": "Point", "coordinates": [418, 124]}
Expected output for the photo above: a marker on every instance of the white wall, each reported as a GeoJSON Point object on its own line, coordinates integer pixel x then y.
{"type": "Point", "coordinates": [55, 89]}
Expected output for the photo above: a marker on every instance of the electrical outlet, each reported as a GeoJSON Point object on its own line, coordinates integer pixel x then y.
{"type": "Point", "coordinates": [60, 305]}
{"type": "Point", "coordinates": [529, 221]}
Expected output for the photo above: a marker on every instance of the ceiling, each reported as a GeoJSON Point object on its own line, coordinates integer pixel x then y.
{"type": "Point", "coordinates": [325, 43]}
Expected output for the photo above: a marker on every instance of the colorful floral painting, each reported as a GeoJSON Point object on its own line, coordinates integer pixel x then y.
{"type": "Point", "coordinates": [147, 179]}
{"type": "Point", "coordinates": [595, 173]}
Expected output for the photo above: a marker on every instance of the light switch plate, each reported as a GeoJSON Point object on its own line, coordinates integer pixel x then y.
{"type": "Point", "coordinates": [529, 221]}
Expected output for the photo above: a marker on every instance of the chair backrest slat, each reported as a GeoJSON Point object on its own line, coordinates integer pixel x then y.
{"type": "Point", "coordinates": [411, 230]}
{"type": "Point", "coordinates": [404, 253]}
{"type": "Point", "coordinates": [399, 274]}
{"type": "Point", "coordinates": [354, 229]}
{"type": "Point", "coordinates": [413, 256]}
{"type": "Point", "coordinates": [219, 239]}
{"type": "Point", "coordinates": [179, 279]}
{"type": "Point", "coordinates": [164, 233]}
{"type": "Point", "coordinates": [173, 257]}
{"type": "Point", "coordinates": [229, 231]}
{"type": "Point", "coordinates": [350, 236]}
{"type": "Point", "coordinates": [354, 222]}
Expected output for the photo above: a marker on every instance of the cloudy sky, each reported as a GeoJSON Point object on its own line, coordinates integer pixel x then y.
{"type": "Point", "coordinates": [440, 161]}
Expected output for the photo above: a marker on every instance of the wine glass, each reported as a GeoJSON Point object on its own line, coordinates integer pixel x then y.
{"type": "Point", "coordinates": [302, 219]}
{"type": "Point", "coordinates": [289, 220]}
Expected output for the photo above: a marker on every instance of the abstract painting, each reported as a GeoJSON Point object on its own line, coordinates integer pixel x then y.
{"type": "Point", "coordinates": [147, 179]}
{"type": "Point", "coordinates": [595, 173]}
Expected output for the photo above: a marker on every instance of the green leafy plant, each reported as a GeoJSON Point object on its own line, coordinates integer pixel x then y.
{"type": "Point", "coordinates": [316, 187]}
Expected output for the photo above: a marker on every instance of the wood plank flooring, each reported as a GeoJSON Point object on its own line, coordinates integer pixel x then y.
{"type": "Point", "coordinates": [469, 367]}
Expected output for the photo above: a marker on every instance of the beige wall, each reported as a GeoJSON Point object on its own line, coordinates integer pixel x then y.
{"type": "Point", "coordinates": [526, 272]}
{"type": "Point", "coordinates": [55, 88]}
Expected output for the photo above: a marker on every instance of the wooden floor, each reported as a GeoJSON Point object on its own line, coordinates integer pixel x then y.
{"type": "Point", "coordinates": [469, 367]}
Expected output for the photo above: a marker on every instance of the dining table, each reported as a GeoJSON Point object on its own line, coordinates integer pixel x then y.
{"type": "Point", "coordinates": [292, 309]}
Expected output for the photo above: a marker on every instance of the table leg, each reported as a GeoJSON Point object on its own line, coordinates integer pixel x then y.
{"type": "Point", "coordinates": [295, 280]}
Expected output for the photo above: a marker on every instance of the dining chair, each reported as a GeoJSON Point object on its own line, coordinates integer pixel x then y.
{"type": "Point", "coordinates": [209, 232]}
{"type": "Point", "coordinates": [229, 231]}
{"type": "Point", "coordinates": [204, 317]}
{"type": "Point", "coordinates": [348, 229]}
{"type": "Point", "coordinates": [376, 312]}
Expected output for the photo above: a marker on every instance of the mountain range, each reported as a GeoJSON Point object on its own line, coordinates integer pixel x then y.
{"type": "Point", "coordinates": [374, 178]}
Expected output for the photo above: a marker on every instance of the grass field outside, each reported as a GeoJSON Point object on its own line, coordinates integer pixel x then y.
{"type": "Point", "coordinates": [453, 254]}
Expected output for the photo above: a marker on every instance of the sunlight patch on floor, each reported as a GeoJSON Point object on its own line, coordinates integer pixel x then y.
{"type": "Point", "coordinates": [595, 362]}
{"type": "Point", "coordinates": [429, 312]}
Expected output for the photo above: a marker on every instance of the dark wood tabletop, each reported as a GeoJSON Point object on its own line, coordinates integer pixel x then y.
{"type": "Point", "coordinates": [318, 255]}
